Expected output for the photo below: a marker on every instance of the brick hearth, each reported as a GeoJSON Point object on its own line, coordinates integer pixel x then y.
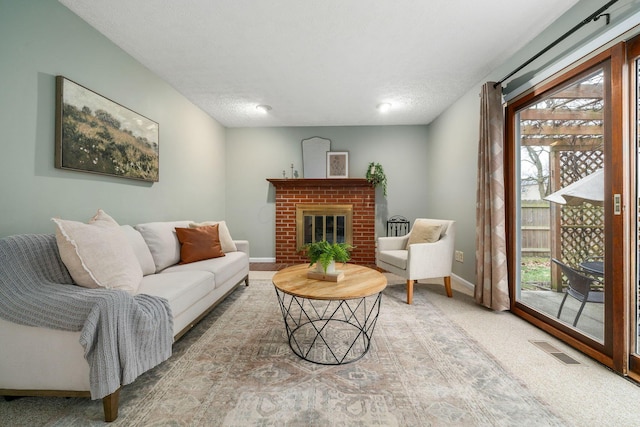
{"type": "Point", "coordinates": [355, 191]}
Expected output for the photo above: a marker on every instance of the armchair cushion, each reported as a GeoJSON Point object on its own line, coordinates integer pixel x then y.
{"type": "Point", "coordinates": [424, 231]}
{"type": "Point", "coordinates": [397, 258]}
{"type": "Point", "coordinates": [392, 243]}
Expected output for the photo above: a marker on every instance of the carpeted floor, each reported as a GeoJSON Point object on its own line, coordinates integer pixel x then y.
{"type": "Point", "coordinates": [235, 369]}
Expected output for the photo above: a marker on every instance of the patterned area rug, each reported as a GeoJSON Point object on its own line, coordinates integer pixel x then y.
{"type": "Point", "coordinates": [236, 369]}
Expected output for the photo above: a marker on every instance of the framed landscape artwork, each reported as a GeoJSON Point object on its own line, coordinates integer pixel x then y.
{"type": "Point", "coordinates": [97, 135]}
{"type": "Point", "coordinates": [337, 164]}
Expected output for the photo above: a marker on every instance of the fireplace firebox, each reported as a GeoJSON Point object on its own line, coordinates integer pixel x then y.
{"type": "Point", "coordinates": [332, 223]}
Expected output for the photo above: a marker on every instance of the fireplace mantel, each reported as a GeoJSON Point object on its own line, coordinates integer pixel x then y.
{"type": "Point", "coordinates": [319, 182]}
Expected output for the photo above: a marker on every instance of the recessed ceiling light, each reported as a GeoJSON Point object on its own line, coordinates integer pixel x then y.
{"type": "Point", "coordinates": [384, 107]}
{"type": "Point", "coordinates": [263, 108]}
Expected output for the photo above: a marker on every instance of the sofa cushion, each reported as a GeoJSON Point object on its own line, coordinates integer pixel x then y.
{"type": "Point", "coordinates": [424, 231]}
{"type": "Point", "coordinates": [182, 289]}
{"type": "Point", "coordinates": [223, 268]}
{"type": "Point", "coordinates": [197, 244]}
{"type": "Point", "coordinates": [397, 258]}
{"type": "Point", "coordinates": [223, 231]}
{"type": "Point", "coordinates": [140, 248]}
{"type": "Point", "coordinates": [162, 241]}
{"type": "Point", "coordinates": [98, 254]}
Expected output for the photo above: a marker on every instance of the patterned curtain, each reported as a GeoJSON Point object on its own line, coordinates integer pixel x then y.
{"type": "Point", "coordinates": [492, 288]}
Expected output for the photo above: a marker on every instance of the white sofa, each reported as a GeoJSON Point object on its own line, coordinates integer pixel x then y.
{"type": "Point", "coordinates": [42, 361]}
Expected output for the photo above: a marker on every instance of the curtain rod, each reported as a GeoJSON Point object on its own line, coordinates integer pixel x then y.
{"type": "Point", "coordinates": [593, 17]}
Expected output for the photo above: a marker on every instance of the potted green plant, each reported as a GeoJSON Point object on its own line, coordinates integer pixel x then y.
{"type": "Point", "coordinates": [375, 175]}
{"type": "Point", "coordinates": [325, 254]}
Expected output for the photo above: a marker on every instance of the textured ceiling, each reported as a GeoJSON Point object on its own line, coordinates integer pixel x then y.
{"type": "Point", "coordinates": [320, 62]}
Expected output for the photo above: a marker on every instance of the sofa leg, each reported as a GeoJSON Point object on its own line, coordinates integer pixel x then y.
{"type": "Point", "coordinates": [447, 286]}
{"type": "Point", "coordinates": [409, 292]}
{"type": "Point", "coordinates": [110, 405]}
{"type": "Point", "coordinates": [246, 281]}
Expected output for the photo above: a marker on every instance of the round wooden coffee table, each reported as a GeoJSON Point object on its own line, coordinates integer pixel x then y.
{"type": "Point", "coordinates": [330, 323]}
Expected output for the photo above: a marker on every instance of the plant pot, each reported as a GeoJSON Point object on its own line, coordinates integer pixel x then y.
{"type": "Point", "coordinates": [331, 268]}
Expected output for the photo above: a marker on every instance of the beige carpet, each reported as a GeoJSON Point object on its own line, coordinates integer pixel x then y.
{"type": "Point", "coordinates": [236, 369]}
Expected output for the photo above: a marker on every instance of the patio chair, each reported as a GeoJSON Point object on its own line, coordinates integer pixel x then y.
{"type": "Point", "coordinates": [580, 288]}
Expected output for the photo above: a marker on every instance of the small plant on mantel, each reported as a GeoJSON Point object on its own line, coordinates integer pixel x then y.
{"type": "Point", "coordinates": [375, 175]}
{"type": "Point", "coordinates": [324, 253]}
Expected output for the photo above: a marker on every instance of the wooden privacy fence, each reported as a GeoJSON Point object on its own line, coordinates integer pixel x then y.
{"type": "Point", "coordinates": [535, 226]}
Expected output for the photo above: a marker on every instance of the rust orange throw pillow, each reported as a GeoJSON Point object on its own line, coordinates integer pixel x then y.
{"type": "Point", "coordinates": [197, 244]}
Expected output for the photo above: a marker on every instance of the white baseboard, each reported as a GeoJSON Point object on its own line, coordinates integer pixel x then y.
{"type": "Point", "coordinates": [463, 282]}
{"type": "Point", "coordinates": [265, 260]}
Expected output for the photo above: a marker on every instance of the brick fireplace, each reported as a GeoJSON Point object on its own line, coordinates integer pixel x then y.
{"type": "Point", "coordinates": [356, 192]}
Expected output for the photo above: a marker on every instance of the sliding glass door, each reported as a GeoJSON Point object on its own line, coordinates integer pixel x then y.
{"type": "Point", "coordinates": [564, 146]}
{"type": "Point", "coordinates": [561, 162]}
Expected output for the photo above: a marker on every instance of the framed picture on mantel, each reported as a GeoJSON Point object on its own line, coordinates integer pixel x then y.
{"type": "Point", "coordinates": [337, 164]}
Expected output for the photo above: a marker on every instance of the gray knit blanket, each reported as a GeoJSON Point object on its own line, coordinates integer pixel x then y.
{"type": "Point", "coordinates": [122, 335]}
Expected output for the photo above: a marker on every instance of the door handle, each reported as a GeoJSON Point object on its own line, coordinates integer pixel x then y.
{"type": "Point", "coordinates": [617, 204]}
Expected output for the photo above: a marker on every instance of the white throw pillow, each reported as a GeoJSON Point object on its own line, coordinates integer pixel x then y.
{"type": "Point", "coordinates": [162, 241]}
{"type": "Point", "coordinates": [141, 249]}
{"type": "Point", "coordinates": [223, 231]}
{"type": "Point", "coordinates": [98, 254]}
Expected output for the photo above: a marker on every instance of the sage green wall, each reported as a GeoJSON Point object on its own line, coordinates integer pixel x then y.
{"type": "Point", "coordinates": [40, 39]}
{"type": "Point", "coordinates": [452, 175]}
{"type": "Point", "coordinates": [255, 154]}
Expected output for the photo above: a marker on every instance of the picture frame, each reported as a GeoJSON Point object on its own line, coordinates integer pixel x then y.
{"type": "Point", "coordinates": [337, 164]}
{"type": "Point", "coordinates": [97, 135]}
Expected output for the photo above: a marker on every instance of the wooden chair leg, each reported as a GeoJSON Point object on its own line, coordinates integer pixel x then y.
{"type": "Point", "coordinates": [110, 405]}
{"type": "Point", "coordinates": [409, 292]}
{"type": "Point", "coordinates": [447, 286]}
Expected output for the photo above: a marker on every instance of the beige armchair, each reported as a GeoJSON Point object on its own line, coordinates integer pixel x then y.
{"type": "Point", "coordinates": [425, 253]}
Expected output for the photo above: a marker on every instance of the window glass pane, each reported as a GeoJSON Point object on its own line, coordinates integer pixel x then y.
{"type": "Point", "coordinates": [329, 229]}
{"type": "Point", "coordinates": [308, 229]}
{"type": "Point", "coordinates": [340, 229]}
{"type": "Point", "coordinates": [319, 229]}
{"type": "Point", "coordinates": [561, 216]}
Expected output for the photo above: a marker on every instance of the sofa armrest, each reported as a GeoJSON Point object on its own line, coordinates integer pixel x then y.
{"type": "Point", "coordinates": [242, 246]}
{"type": "Point", "coordinates": [392, 243]}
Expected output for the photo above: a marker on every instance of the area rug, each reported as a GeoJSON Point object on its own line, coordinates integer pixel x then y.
{"type": "Point", "coordinates": [236, 369]}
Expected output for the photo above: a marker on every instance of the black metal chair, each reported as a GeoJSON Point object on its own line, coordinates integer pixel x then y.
{"type": "Point", "coordinates": [579, 288]}
{"type": "Point", "coordinates": [397, 225]}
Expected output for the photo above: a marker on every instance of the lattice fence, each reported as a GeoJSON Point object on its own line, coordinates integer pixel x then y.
{"type": "Point", "coordinates": [581, 226]}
